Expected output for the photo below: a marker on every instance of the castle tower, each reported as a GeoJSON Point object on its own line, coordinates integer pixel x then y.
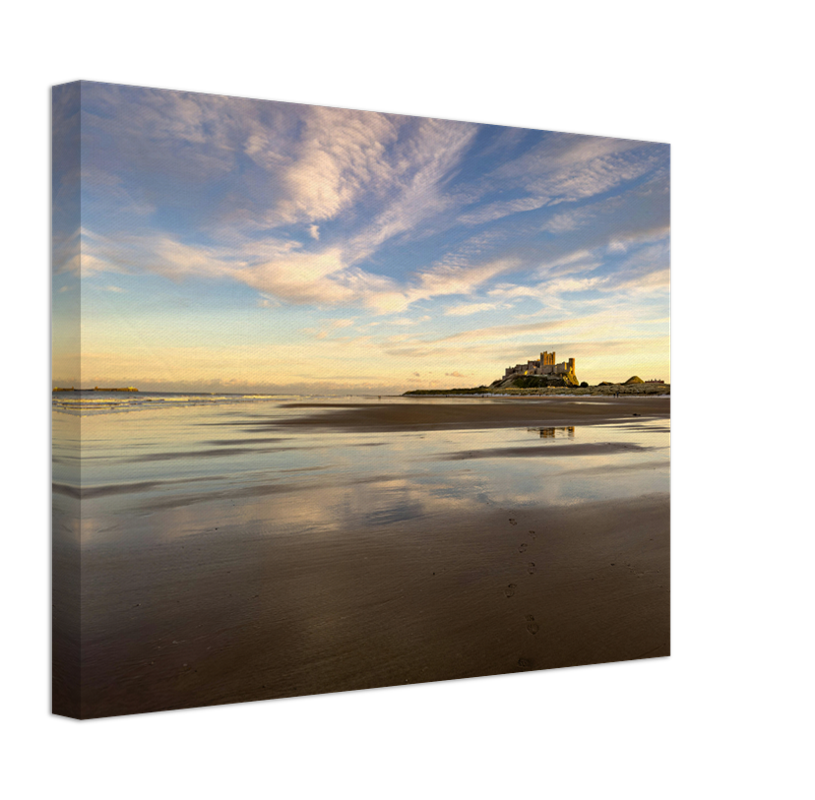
{"type": "Point", "coordinates": [571, 366]}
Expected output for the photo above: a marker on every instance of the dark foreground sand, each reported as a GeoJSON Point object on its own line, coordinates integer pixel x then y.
{"type": "Point", "coordinates": [239, 615]}
{"type": "Point", "coordinates": [416, 415]}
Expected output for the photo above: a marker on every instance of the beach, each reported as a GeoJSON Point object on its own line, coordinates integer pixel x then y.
{"type": "Point", "coordinates": [425, 414]}
{"type": "Point", "coordinates": [237, 549]}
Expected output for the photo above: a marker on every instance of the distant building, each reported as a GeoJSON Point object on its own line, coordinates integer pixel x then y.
{"type": "Point", "coordinates": [655, 380]}
{"type": "Point", "coordinates": [545, 365]}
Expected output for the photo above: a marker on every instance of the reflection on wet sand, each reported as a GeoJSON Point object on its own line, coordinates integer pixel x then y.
{"type": "Point", "coordinates": [350, 559]}
{"type": "Point", "coordinates": [583, 449]}
{"type": "Point", "coordinates": [566, 432]}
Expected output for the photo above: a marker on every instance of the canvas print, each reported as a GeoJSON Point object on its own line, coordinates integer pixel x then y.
{"type": "Point", "coordinates": [346, 399]}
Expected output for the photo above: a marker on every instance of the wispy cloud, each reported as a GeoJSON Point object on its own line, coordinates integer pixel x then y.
{"type": "Point", "coordinates": [498, 332]}
{"type": "Point", "coordinates": [447, 279]}
{"type": "Point", "coordinates": [580, 260]}
{"type": "Point", "coordinates": [339, 154]}
{"type": "Point", "coordinates": [65, 251]}
{"type": "Point", "coordinates": [622, 244]}
{"type": "Point", "coordinates": [564, 168]}
{"type": "Point", "coordinates": [501, 208]}
{"type": "Point", "coordinates": [301, 278]}
{"type": "Point", "coordinates": [465, 309]}
{"type": "Point", "coordinates": [422, 164]}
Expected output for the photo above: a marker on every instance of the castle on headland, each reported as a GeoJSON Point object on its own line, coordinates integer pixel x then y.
{"type": "Point", "coordinates": [545, 365]}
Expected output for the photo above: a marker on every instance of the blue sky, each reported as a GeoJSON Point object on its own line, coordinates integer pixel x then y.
{"type": "Point", "coordinates": [236, 244]}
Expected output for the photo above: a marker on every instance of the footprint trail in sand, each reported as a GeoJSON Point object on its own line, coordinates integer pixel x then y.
{"type": "Point", "coordinates": [532, 626]}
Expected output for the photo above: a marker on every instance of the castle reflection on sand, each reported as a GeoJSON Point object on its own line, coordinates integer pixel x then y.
{"type": "Point", "coordinates": [554, 433]}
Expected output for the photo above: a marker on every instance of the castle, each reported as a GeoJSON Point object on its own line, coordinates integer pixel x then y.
{"type": "Point", "coordinates": [545, 365]}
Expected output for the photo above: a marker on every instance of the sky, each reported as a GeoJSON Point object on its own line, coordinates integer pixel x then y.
{"type": "Point", "coordinates": [209, 243]}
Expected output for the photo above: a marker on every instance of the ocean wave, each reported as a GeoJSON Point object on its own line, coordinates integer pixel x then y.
{"type": "Point", "coordinates": [107, 402]}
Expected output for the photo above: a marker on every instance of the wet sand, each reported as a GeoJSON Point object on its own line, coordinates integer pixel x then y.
{"type": "Point", "coordinates": [233, 614]}
{"type": "Point", "coordinates": [418, 415]}
{"type": "Point", "coordinates": [561, 451]}
{"type": "Point", "coordinates": [333, 558]}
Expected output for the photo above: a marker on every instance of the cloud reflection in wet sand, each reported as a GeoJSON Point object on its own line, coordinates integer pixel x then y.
{"type": "Point", "coordinates": [347, 559]}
